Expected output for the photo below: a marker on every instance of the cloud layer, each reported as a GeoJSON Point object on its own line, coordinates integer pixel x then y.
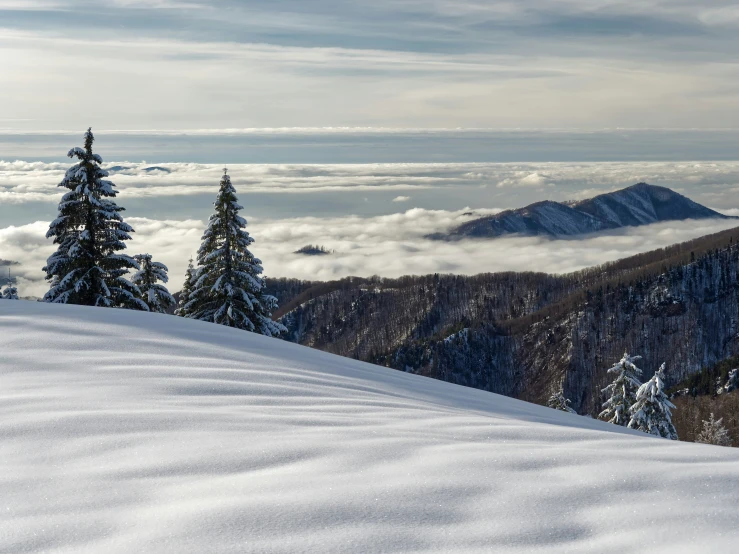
{"type": "Point", "coordinates": [390, 246]}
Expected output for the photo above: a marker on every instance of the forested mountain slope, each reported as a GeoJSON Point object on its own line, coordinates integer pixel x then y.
{"type": "Point", "coordinates": [640, 204]}
{"type": "Point", "coordinates": [125, 431]}
{"type": "Point", "coordinates": [712, 390]}
{"type": "Point", "coordinates": [525, 335]}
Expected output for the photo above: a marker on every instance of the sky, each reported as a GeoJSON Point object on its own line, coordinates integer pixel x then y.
{"type": "Point", "coordinates": [169, 64]}
{"type": "Point", "coordinates": [363, 126]}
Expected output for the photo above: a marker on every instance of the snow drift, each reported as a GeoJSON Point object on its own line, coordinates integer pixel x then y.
{"type": "Point", "coordinates": [134, 432]}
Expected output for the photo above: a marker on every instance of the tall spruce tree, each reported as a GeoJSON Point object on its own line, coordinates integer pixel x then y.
{"type": "Point", "coordinates": [622, 392]}
{"type": "Point", "coordinates": [190, 277]}
{"type": "Point", "coordinates": [147, 279]}
{"type": "Point", "coordinates": [229, 289]}
{"type": "Point", "coordinates": [87, 267]}
{"type": "Point", "coordinates": [652, 411]}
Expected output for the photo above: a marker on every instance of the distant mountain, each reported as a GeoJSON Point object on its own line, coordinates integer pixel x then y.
{"type": "Point", "coordinates": [639, 204]}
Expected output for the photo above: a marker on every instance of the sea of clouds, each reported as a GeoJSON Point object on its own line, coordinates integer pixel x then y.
{"type": "Point", "coordinates": [408, 201]}
{"type": "Point", "coordinates": [389, 245]}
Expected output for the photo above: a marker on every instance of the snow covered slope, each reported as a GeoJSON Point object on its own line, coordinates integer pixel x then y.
{"type": "Point", "coordinates": [131, 432]}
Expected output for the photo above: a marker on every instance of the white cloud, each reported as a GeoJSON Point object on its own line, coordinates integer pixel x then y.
{"type": "Point", "coordinates": [401, 199]}
{"type": "Point", "coordinates": [28, 245]}
{"type": "Point", "coordinates": [391, 246]}
{"type": "Point", "coordinates": [525, 179]}
{"type": "Point", "coordinates": [405, 63]}
{"type": "Point", "coordinates": [338, 86]}
{"type": "Point", "coordinates": [28, 5]}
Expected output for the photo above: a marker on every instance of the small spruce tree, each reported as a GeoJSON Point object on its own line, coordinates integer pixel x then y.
{"type": "Point", "coordinates": [9, 292]}
{"type": "Point", "coordinates": [87, 267]}
{"type": "Point", "coordinates": [622, 392]}
{"type": "Point", "coordinates": [155, 295]}
{"type": "Point", "coordinates": [652, 412]}
{"type": "Point", "coordinates": [558, 402]}
{"type": "Point", "coordinates": [714, 432]}
{"type": "Point", "coordinates": [190, 277]}
{"type": "Point", "coordinates": [229, 289]}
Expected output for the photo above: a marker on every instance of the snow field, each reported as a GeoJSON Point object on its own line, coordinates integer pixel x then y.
{"type": "Point", "coordinates": [123, 431]}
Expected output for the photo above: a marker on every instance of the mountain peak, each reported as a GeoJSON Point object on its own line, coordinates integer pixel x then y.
{"type": "Point", "coordinates": [639, 204]}
{"type": "Point", "coordinates": [643, 186]}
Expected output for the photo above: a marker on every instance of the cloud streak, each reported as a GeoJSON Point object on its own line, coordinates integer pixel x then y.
{"type": "Point", "coordinates": [391, 64]}
{"type": "Point", "coordinates": [486, 185]}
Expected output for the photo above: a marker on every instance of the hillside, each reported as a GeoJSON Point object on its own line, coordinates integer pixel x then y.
{"type": "Point", "coordinates": [130, 432]}
{"type": "Point", "coordinates": [713, 390]}
{"type": "Point", "coordinates": [640, 204]}
{"type": "Point", "coordinates": [525, 334]}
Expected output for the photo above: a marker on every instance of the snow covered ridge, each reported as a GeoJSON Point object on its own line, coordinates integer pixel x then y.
{"type": "Point", "coordinates": [126, 431]}
{"type": "Point", "coordinates": [640, 204]}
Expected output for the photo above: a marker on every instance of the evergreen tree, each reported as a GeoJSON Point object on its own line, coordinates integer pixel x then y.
{"type": "Point", "coordinates": [9, 292]}
{"type": "Point", "coordinates": [652, 412]}
{"type": "Point", "coordinates": [156, 296]}
{"type": "Point", "coordinates": [714, 432]}
{"type": "Point", "coordinates": [228, 289]}
{"type": "Point", "coordinates": [190, 277]}
{"type": "Point", "coordinates": [622, 392]}
{"type": "Point", "coordinates": [558, 402]}
{"type": "Point", "coordinates": [87, 267]}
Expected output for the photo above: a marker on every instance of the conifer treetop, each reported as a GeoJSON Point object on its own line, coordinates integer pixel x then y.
{"type": "Point", "coordinates": [10, 292]}
{"type": "Point", "coordinates": [558, 401]}
{"type": "Point", "coordinates": [88, 267]}
{"type": "Point", "coordinates": [148, 278]}
{"type": "Point", "coordinates": [652, 411]}
{"type": "Point", "coordinates": [228, 287]}
{"type": "Point", "coordinates": [187, 288]}
{"type": "Point", "coordinates": [622, 391]}
{"type": "Point", "coordinates": [714, 432]}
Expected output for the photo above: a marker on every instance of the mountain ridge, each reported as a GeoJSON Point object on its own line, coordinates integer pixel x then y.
{"type": "Point", "coordinates": [639, 204]}
{"type": "Point", "coordinates": [527, 334]}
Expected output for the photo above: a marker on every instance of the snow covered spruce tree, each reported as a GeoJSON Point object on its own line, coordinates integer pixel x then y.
{"type": "Point", "coordinates": [9, 292]}
{"type": "Point", "coordinates": [558, 402]}
{"type": "Point", "coordinates": [714, 432]}
{"type": "Point", "coordinates": [190, 276]}
{"type": "Point", "coordinates": [622, 392]}
{"type": "Point", "coordinates": [87, 267]}
{"type": "Point", "coordinates": [228, 289]}
{"type": "Point", "coordinates": [147, 279]}
{"type": "Point", "coordinates": [652, 412]}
